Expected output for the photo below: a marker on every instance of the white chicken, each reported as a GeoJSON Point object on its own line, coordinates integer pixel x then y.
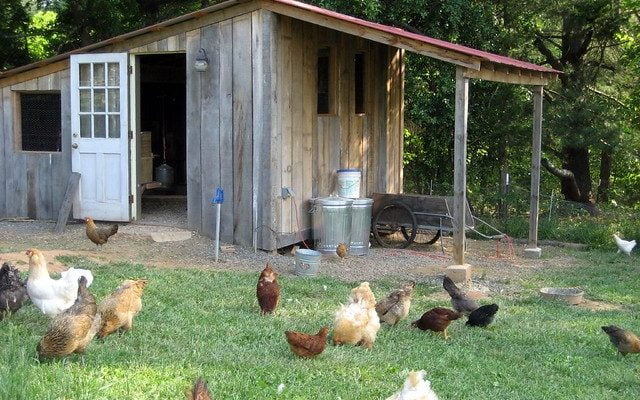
{"type": "Point", "coordinates": [52, 296]}
{"type": "Point", "coordinates": [415, 388]}
{"type": "Point", "coordinates": [624, 246]}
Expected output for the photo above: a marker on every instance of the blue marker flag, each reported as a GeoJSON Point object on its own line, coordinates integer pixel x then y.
{"type": "Point", "coordinates": [219, 199]}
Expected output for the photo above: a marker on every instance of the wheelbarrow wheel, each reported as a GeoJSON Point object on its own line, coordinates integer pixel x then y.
{"type": "Point", "coordinates": [389, 224]}
{"type": "Point", "coordinates": [422, 236]}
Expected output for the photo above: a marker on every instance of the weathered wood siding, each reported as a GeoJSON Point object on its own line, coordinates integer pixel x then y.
{"type": "Point", "coordinates": [311, 146]}
{"type": "Point", "coordinates": [33, 183]}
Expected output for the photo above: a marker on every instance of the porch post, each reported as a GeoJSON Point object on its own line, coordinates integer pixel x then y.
{"type": "Point", "coordinates": [460, 165]}
{"type": "Point", "coordinates": [532, 250]}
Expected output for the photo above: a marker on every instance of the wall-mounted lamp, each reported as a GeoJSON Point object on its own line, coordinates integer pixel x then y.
{"type": "Point", "coordinates": [202, 61]}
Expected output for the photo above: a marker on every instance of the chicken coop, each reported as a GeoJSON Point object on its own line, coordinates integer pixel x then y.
{"type": "Point", "coordinates": [263, 98]}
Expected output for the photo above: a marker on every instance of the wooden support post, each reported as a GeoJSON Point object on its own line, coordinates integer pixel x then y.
{"type": "Point", "coordinates": [65, 208]}
{"type": "Point", "coordinates": [460, 165]}
{"type": "Point", "coordinates": [532, 250]}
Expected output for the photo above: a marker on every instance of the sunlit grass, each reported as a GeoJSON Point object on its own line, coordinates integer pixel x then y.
{"type": "Point", "coordinates": [197, 322]}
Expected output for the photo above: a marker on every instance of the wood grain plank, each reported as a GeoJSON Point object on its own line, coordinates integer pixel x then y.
{"type": "Point", "coordinates": [210, 126]}
{"type": "Point", "coordinates": [309, 119]}
{"type": "Point", "coordinates": [3, 208]}
{"type": "Point", "coordinates": [345, 83]}
{"type": "Point", "coordinates": [226, 130]}
{"type": "Point", "coordinates": [297, 120]}
{"type": "Point", "coordinates": [194, 172]}
{"type": "Point", "coordinates": [70, 192]}
{"type": "Point", "coordinates": [61, 162]}
{"type": "Point", "coordinates": [15, 161]}
{"type": "Point", "coordinates": [284, 85]}
{"type": "Point", "coordinates": [242, 131]}
{"type": "Point", "coordinates": [44, 208]}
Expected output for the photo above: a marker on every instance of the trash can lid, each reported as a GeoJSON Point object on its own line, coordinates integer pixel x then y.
{"type": "Point", "coordinates": [362, 201]}
{"type": "Point", "coordinates": [349, 170]}
{"type": "Point", "coordinates": [333, 201]}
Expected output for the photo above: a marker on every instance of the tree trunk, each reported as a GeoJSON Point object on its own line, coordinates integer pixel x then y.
{"type": "Point", "coordinates": [576, 160]}
{"type": "Point", "coordinates": [605, 176]}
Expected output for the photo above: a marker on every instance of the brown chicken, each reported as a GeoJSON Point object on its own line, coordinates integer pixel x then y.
{"type": "Point", "coordinates": [99, 236]}
{"type": "Point", "coordinates": [72, 330]}
{"type": "Point", "coordinates": [625, 341]}
{"type": "Point", "coordinates": [305, 345]}
{"type": "Point", "coordinates": [200, 391]}
{"type": "Point", "coordinates": [437, 320]}
{"type": "Point", "coordinates": [268, 290]}
{"type": "Point", "coordinates": [342, 250]}
{"type": "Point", "coordinates": [121, 306]}
{"type": "Point", "coordinates": [395, 307]}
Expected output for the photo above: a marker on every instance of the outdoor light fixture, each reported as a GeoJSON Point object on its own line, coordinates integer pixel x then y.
{"type": "Point", "coordinates": [202, 61]}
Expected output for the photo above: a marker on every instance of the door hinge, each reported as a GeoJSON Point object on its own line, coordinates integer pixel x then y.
{"type": "Point", "coordinates": [130, 68]}
{"type": "Point", "coordinates": [130, 199]}
{"type": "Point", "coordinates": [130, 135]}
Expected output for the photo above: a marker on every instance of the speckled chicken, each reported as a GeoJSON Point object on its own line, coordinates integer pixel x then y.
{"type": "Point", "coordinates": [342, 250]}
{"type": "Point", "coordinates": [121, 306]}
{"type": "Point", "coordinates": [306, 345]}
{"type": "Point", "coordinates": [437, 320]}
{"type": "Point", "coordinates": [395, 307]}
{"type": "Point", "coordinates": [13, 291]}
{"type": "Point", "coordinates": [99, 236]}
{"type": "Point", "coordinates": [482, 316]}
{"type": "Point", "coordinates": [625, 341]}
{"type": "Point", "coordinates": [72, 330]}
{"type": "Point", "coordinates": [459, 300]}
{"type": "Point", "coordinates": [199, 391]}
{"type": "Point", "coordinates": [268, 290]}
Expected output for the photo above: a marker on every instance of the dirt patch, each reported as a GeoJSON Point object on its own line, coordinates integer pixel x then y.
{"type": "Point", "coordinates": [599, 305]}
{"type": "Point", "coordinates": [494, 267]}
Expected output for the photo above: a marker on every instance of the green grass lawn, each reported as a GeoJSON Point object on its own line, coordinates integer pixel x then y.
{"type": "Point", "coordinates": [204, 323]}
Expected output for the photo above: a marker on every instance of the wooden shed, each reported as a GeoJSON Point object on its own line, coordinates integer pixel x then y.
{"type": "Point", "coordinates": [254, 96]}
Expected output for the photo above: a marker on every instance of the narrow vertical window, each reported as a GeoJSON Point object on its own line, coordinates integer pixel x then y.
{"type": "Point", "coordinates": [359, 83]}
{"type": "Point", "coordinates": [324, 81]}
{"type": "Point", "coordinates": [40, 122]}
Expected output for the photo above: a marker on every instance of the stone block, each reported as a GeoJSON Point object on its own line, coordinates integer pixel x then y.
{"type": "Point", "coordinates": [459, 273]}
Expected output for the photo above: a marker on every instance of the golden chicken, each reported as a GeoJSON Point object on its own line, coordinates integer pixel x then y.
{"type": "Point", "coordinates": [305, 345]}
{"type": "Point", "coordinates": [357, 323]}
{"type": "Point", "coordinates": [415, 388]}
{"type": "Point", "coordinates": [99, 236]}
{"type": "Point", "coordinates": [268, 290]}
{"type": "Point", "coordinates": [72, 330]}
{"type": "Point", "coordinates": [625, 341]}
{"type": "Point", "coordinates": [200, 391]}
{"type": "Point", "coordinates": [342, 250]}
{"type": "Point", "coordinates": [395, 307]}
{"type": "Point", "coordinates": [437, 320]}
{"type": "Point", "coordinates": [117, 310]}
{"type": "Point", "coordinates": [52, 296]}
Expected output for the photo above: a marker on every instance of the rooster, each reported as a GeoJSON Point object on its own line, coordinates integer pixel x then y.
{"type": "Point", "coordinates": [117, 310]}
{"type": "Point", "coordinates": [13, 291]}
{"type": "Point", "coordinates": [71, 331]}
{"type": "Point", "coordinates": [624, 246]}
{"type": "Point", "coordinates": [52, 296]}
{"type": "Point", "coordinates": [415, 388]}
{"type": "Point", "coordinates": [268, 290]}
{"type": "Point", "coordinates": [99, 236]}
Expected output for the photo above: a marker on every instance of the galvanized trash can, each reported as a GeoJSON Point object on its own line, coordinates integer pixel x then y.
{"type": "Point", "coordinates": [360, 226]}
{"type": "Point", "coordinates": [331, 223]}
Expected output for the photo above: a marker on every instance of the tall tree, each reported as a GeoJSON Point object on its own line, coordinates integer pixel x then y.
{"type": "Point", "coordinates": [14, 31]}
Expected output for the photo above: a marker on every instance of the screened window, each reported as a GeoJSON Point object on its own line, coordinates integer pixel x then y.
{"type": "Point", "coordinates": [40, 122]}
{"type": "Point", "coordinates": [324, 81]}
{"type": "Point", "coordinates": [359, 83]}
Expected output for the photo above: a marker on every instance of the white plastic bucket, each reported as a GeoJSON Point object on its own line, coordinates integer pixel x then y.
{"type": "Point", "coordinates": [349, 183]}
{"type": "Point", "coordinates": [307, 262]}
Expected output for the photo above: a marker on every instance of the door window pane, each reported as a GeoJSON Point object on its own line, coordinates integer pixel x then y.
{"type": "Point", "coordinates": [85, 74]}
{"type": "Point", "coordinates": [99, 126]}
{"type": "Point", "coordinates": [114, 126]}
{"type": "Point", "coordinates": [113, 74]}
{"type": "Point", "coordinates": [85, 100]}
{"type": "Point", "coordinates": [98, 100]}
{"type": "Point", "coordinates": [85, 126]}
{"type": "Point", "coordinates": [114, 100]}
{"type": "Point", "coordinates": [98, 74]}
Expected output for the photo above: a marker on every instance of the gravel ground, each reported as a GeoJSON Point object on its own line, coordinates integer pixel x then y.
{"type": "Point", "coordinates": [422, 263]}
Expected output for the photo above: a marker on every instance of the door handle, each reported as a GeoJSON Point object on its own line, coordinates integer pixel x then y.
{"type": "Point", "coordinates": [74, 145]}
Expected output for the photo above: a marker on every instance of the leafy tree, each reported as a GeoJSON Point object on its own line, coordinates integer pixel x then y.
{"type": "Point", "coordinates": [14, 28]}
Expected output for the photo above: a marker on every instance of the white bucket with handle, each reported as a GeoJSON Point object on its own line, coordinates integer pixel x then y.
{"type": "Point", "coordinates": [349, 183]}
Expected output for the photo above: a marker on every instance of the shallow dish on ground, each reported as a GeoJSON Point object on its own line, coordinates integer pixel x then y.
{"type": "Point", "coordinates": [572, 296]}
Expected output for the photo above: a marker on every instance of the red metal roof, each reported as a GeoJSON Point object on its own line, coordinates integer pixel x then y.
{"type": "Point", "coordinates": [483, 55]}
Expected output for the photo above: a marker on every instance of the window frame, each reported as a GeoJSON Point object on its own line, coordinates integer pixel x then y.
{"type": "Point", "coordinates": [17, 121]}
{"type": "Point", "coordinates": [332, 82]}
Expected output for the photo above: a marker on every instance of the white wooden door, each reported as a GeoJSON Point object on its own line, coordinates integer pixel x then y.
{"type": "Point", "coordinates": [100, 135]}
